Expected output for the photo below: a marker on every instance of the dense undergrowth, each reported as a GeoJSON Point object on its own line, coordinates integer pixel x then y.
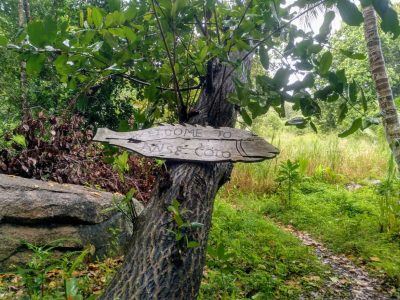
{"type": "Point", "coordinates": [61, 149]}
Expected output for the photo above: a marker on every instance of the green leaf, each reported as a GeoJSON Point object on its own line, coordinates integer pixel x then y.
{"type": "Point", "coordinates": [241, 44]}
{"type": "Point", "coordinates": [350, 13]}
{"type": "Point", "coordinates": [302, 48]}
{"type": "Point", "coordinates": [281, 77]}
{"type": "Point", "coordinates": [242, 93]}
{"type": "Point", "coordinates": [20, 140]}
{"type": "Point", "coordinates": [3, 41]}
{"type": "Point", "coordinates": [245, 116]}
{"type": "Point", "coordinates": [304, 65]}
{"type": "Point", "coordinates": [335, 84]}
{"type": "Point", "coordinates": [325, 62]}
{"type": "Point", "coordinates": [353, 91]}
{"type": "Point", "coordinates": [390, 22]}
{"type": "Point", "coordinates": [176, 204]}
{"type": "Point", "coordinates": [35, 64]}
{"type": "Point", "coordinates": [71, 288]}
{"type": "Point", "coordinates": [81, 18]}
{"type": "Point", "coordinates": [120, 32]}
{"type": "Point", "coordinates": [341, 75]}
{"type": "Point", "coordinates": [366, 3]}
{"type": "Point", "coordinates": [89, 16]}
{"type": "Point", "coordinates": [97, 17]}
{"type": "Point", "coordinates": [110, 39]}
{"type": "Point", "coordinates": [314, 49]}
{"type": "Point", "coordinates": [264, 58]}
{"type": "Point", "coordinates": [42, 33]}
{"type": "Point", "coordinates": [357, 124]}
{"type": "Point", "coordinates": [114, 5]}
{"type": "Point", "coordinates": [256, 109]}
{"type": "Point", "coordinates": [363, 100]}
{"type": "Point", "coordinates": [121, 163]}
{"type": "Point", "coordinates": [130, 34]}
{"type": "Point", "coordinates": [178, 219]}
{"type": "Point", "coordinates": [193, 244]}
{"type": "Point", "coordinates": [131, 11]}
{"type": "Point", "coordinates": [114, 19]}
{"type": "Point", "coordinates": [343, 110]}
{"type": "Point", "coordinates": [313, 127]}
{"type": "Point", "coordinates": [177, 6]}
{"type": "Point", "coordinates": [62, 67]}
{"type": "Point", "coordinates": [173, 209]}
{"type": "Point", "coordinates": [353, 55]}
{"type": "Point", "coordinates": [326, 26]}
{"type": "Point", "coordinates": [36, 33]}
{"type": "Point", "coordinates": [221, 251]}
{"type": "Point", "coordinates": [264, 82]}
{"type": "Point", "coordinates": [87, 37]}
{"type": "Point", "coordinates": [309, 107]}
{"type": "Point", "coordinates": [308, 80]}
{"type": "Point", "coordinates": [324, 92]}
{"type": "Point", "coordinates": [369, 121]}
{"type": "Point", "coordinates": [50, 27]}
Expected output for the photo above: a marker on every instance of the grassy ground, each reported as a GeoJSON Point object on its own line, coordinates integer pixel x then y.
{"type": "Point", "coordinates": [250, 256]}
{"type": "Point", "coordinates": [326, 156]}
{"type": "Point", "coordinates": [347, 222]}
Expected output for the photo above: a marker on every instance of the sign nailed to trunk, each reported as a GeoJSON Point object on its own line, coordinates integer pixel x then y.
{"type": "Point", "coordinates": [192, 143]}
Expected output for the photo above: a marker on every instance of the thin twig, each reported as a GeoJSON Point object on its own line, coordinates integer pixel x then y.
{"type": "Point", "coordinates": [182, 111]}
{"type": "Point", "coordinates": [200, 25]}
{"type": "Point", "coordinates": [217, 26]}
{"type": "Point", "coordinates": [138, 81]}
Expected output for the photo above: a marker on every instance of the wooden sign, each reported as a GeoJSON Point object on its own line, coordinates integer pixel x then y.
{"type": "Point", "coordinates": [192, 143]}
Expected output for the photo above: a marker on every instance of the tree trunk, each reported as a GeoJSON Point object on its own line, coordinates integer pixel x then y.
{"type": "Point", "coordinates": [156, 266]}
{"type": "Point", "coordinates": [23, 18]}
{"type": "Point", "coordinates": [379, 74]}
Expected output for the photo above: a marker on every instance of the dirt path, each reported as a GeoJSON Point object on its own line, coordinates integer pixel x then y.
{"type": "Point", "coordinates": [347, 281]}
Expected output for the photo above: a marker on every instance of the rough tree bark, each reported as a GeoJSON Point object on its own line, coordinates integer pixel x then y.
{"type": "Point", "coordinates": [155, 267]}
{"type": "Point", "coordinates": [380, 77]}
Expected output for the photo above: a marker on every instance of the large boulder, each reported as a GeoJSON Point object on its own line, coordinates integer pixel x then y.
{"type": "Point", "coordinates": [41, 213]}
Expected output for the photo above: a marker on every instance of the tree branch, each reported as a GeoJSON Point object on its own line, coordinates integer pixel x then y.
{"type": "Point", "coordinates": [141, 82]}
{"type": "Point", "coordinates": [182, 110]}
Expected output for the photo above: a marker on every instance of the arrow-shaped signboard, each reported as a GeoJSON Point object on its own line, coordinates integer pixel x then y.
{"type": "Point", "coordinates": [192, 143]}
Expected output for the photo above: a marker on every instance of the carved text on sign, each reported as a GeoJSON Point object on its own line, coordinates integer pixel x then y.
{"type": "Point", "coordinates": [192, 143]}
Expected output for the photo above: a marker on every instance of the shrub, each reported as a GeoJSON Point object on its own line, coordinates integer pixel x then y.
{"type": "Point", "coordinates": [52, 148]}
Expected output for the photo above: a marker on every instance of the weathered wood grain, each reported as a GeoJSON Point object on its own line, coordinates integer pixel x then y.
{"type": "Point", "coordinates": [192, 143]}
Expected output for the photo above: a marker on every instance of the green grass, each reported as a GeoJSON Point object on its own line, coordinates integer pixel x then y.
{"type": "Point", "coordinates": [347, 222]}
{"type": "Point", "coordinates": [360, 156]}
{"type": "Point", "coordinates": [251, 258]}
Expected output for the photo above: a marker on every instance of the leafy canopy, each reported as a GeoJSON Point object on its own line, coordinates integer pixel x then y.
{"type": "Point", "coordinates": [164, 48]}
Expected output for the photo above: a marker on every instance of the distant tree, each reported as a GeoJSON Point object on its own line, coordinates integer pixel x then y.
{"type": "Point", "coordinates": [351, 39]}
{"type": "Point", "coordinates": [24, 16]}
{"type": "Point", "coordinates": [380, 77]}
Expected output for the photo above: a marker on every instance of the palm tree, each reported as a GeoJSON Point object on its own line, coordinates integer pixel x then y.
{"type": "Point", "coordinates": [380, 77]}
